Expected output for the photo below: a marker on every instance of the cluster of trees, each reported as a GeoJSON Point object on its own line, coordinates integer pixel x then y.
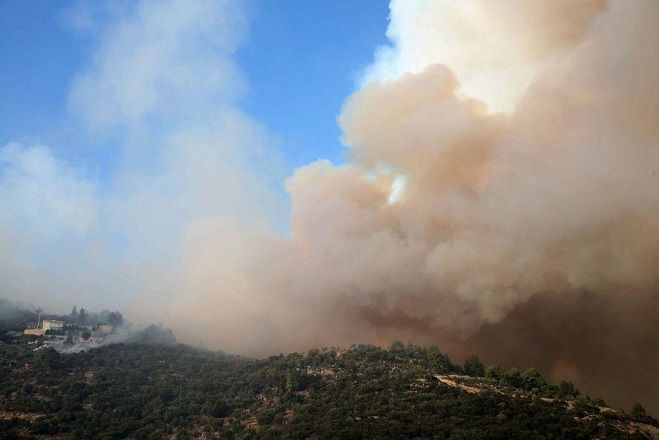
{"type": "Point", "coordinates": [148, 391]}
{"type": "Point", "coordinates": [83, 317]}
{"type": "Point", "coordinates": [528, 380]}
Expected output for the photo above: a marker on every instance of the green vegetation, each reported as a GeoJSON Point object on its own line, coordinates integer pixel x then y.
{"type": "Point", "coordinates": [153, 387]}
{"type": "Point", "coordinates": [473, 366]}
{"type": "Point", "coordinates": [146, 391]}
{"type": "Point", "coordinates": [638, 410]}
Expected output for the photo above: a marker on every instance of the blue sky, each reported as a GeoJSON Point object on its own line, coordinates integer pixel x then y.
{"type": "Point", "coordinates": [39, 59]}
{"type": "Point", "coordinates": [301, 59]}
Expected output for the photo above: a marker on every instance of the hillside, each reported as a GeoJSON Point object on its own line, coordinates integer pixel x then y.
{"type": "Point", "coordinates": [147, 391]}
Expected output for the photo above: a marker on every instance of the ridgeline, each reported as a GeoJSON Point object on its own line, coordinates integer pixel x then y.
{"type": "Point", "coordinates": [151, 387]}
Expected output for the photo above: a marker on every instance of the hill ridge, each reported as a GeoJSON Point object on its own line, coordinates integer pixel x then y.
{"type": "Point", "coordinates": [152, 391]}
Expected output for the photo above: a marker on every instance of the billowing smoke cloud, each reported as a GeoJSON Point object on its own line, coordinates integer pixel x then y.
{"type": "Point", "coordinates": [496, 48]}
{"type": "Point", "coordinates": [530, 237]}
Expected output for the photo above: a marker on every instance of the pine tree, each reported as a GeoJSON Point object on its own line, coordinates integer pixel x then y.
{"type": "Point", "coordinates": [474, 367]}
{"type": "Point", "coordinates": [638, 410]}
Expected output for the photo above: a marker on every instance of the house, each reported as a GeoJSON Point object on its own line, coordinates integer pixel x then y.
{"type": "Point", "coordinates": [52, 324]}
{"type": "Point", "coordinates": [46, 324]}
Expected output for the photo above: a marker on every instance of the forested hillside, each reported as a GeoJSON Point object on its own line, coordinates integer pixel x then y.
{"type": "Point", "coordinates": [146, 391]}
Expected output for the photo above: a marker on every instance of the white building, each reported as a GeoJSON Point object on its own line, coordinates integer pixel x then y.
{"type": "Point", "coordinates": [52, 324]}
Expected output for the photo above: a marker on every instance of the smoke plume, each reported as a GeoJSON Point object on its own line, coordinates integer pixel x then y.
{"type": "Point", "coordinates": [530, 237]}
{"type": "Point", "coordinates": [500, 197]}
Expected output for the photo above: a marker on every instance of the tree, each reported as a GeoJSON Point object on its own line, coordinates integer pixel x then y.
{"type": "Point", "coordinates": [495, 372]}
{"type": "Point", "coordinates": [598, 402]}
{"type": "Point", "coordinates": [74, 312]}
{"type": "Point", "coordinates": [532, 379]}
{"type": "Point", "coordinates": [221, 408]}
{"type": "Point", "coordinates": [439, 361]}
{"type": "Point", "coordinates": [115, 319]}
{"type": "Point", "coordinates": [474, 367]}
{"type": "Point", "coordinates": [86, 335]}
{"type": "Point", "coordinates": [49, 357]}
{"type": "Point", "coordinates": [567, 389]}
{"type": "Point", "coordinates": [512, 378]}
{"type": "Point", "coordinates": [638, 410]}
{"type": "Point", "coordinates": [82, 316]}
